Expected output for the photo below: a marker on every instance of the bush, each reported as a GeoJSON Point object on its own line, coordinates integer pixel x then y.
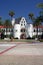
{"type": "Point", "coordinates": [41, 40]}
{"type": "Point", "coordinates": [39, 37]}
{"type": "Point", "coordinates": [42, 36]}
{"type": "Point", "coordinates": [28, 38]}
{"type": "Point", "coordinates": [16, 38]}
{"type": "Point", "coordinates": [2, 36]}
{"type": "Point", "coordinates": [34, 37]}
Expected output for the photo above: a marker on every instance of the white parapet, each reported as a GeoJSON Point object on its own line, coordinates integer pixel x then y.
{"type": "Point", "coordinates": [17, 31]}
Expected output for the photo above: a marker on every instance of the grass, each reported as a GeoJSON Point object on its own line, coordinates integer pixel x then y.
{"type": "Point", "coordinates": [18, 40]}
{"type": "Point", "coordinates": [22, 40]}
{"type": "Point", "coordinates": [2, 40]}
{"type": "Point", "coordinates": [41, 40]}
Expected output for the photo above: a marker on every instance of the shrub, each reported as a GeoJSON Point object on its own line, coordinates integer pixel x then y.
{"type": "Point", "coordinates": [28, 38]}
{"type": "Point", "coordinates": [34, 37]}
{"type": "Point", "coordinates": [16, 38]}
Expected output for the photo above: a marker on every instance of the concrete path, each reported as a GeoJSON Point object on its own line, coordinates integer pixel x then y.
{"type": "Point", "coordinates": [22, 54]}
{"type": "Point", "coordinates": [6, 47]}
{"type": "Point", "coordinates": [24, 49]}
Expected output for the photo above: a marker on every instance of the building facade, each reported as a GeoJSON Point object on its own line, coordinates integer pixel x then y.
{"type": "Point", "coordinates": [22, 29]}
{"type": "Point", "coordinates": [6, 31]}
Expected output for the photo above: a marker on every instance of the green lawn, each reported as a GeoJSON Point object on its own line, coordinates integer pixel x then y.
{"type": "Point", "coordinates": [18, 40]}
{"type": "Point", "coordinates": [23, 40]}
{"type": "Point", "coordinates": [41, 40]}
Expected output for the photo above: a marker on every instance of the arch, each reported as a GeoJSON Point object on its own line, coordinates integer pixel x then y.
{"type": "Point", "coordinates": [22, 36]}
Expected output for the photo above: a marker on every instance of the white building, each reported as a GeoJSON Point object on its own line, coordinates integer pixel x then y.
{"type": "Point", "coordinates": [21, 29]}
{"type": "Point", "coordinates": [6, 31]}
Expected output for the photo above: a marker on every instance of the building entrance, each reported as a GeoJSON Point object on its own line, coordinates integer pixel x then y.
{"type": "Point", "coordinates": [23, 36]}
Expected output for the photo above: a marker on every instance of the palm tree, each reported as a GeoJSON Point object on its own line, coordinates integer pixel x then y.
{"type": "Point", "coordinates": [11, 13]}
{"type": "Point", "coordinates": [40, 5]}
{"type": "Point", "coordinates": [0, 18]}
{"type": "Point", "coordinates": [31, 15]}
{"type": "Point", "coordinates": [37, 23]}
{"type": "Point", "coordinates": [7, 24]}
{"type": "Point", "coordinates": [1, 22]}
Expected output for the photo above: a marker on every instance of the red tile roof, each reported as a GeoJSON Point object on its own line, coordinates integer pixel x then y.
{"type": "Point", "coordinates": [5, 26]}
{"type": "Point", "coordinates": [38, 27]}
{"type": "Point", "coordinates": [1, 26]}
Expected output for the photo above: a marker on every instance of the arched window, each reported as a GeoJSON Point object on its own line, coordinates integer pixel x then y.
{"type": "Point", "coordinates": [23, 30]}
{"type": "Point", "coordinates": [34, 30]}
{"type": "Point", "coordinates": [21, 24]}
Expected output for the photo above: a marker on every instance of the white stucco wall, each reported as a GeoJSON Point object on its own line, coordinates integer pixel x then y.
{"type": "Point", "coordinates": [30, 30]}
{"type": "Point", "coordinates": [23, 22]}
{"type": "Point", "coordinates": [35, 32]}
{"type": "Point", "coordinates": [13, 21]}
{"type": "Point", "coordinates": [16, 31]}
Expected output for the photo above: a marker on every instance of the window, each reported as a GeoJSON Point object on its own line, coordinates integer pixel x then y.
{"type": "Point", "coordinates": [24, 24]}
{"type": "Point", "coordinates": [21, 24]}
{"type": "Point", "coordinates": [16, 30]}
{"type": "Point", "coordinates": [12, 30]}
{"type": "Point", "coordinates": [39, 30]}
{"type": "Point", "coordinates": [34, 30]}
{"type": "Point", "coordinates": [22, 30]}
{"type": "Point", "coordinates": [24, 21]}
{"type": "Point", "coordinates": [9, 30]}
{"type": "Point", "coordinates": [4, 30]}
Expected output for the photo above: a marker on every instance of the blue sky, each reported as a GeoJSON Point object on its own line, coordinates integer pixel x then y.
{"type": "Point", "coordinates": [20, 7]}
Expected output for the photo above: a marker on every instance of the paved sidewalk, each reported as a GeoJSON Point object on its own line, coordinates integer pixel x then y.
{"type": "Point", "coordinates": [6, 47]}
{"type": "Point", "coordinates": [26, 49]}
{"type": "Point", "coordinates": [23, 54]}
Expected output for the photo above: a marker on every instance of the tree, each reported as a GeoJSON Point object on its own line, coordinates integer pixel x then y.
{"type": "Point", "coordinates": [31, 15]}
{"type": "Point", "coordinates": [11, 13]}
{"type": "Point", "coordinates": [7, 23]}
{"type": "Point", "coordinates": [37, 23]}
{"type": "Point", "coordinates": [1, 22]}
{"type": "Point", "coordinates": [40, 5]}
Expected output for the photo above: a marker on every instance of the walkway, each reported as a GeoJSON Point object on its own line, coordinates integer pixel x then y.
{"type": "Point", "coordinates": [22, 49]}
{"type": "Point", "coordinates": [21, 54]}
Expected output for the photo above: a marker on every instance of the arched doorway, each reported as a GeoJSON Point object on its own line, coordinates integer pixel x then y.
{"type": "Point", "coordinates": [22, 36]}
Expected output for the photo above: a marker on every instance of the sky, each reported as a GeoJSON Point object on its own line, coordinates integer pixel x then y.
{"type": "Point", "coordinates": [20, 7]}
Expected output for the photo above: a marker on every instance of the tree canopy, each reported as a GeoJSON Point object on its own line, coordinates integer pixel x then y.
{"type": "Point", "coordinates": [11, 13]}
{"type": "Point", "coordinates": [40, 5]}
{"type": "Point", "coordinates": [7, 23]}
